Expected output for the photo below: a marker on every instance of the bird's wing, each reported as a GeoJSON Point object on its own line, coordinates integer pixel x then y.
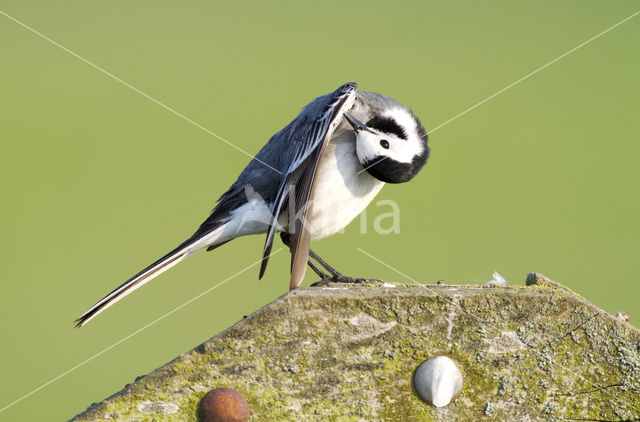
{"type": "Point", "coordinates": [308, 135]}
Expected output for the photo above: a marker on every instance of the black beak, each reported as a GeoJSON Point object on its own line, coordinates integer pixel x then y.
{"type": "Point", "coordinates": [356, 124]}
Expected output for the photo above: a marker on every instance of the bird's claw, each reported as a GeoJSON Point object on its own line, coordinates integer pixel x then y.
{"type": "Point", "coordinates": [343, 279]}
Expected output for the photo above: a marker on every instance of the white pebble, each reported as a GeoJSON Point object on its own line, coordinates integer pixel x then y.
{"type": "Point", "coordinates": [438, 381]}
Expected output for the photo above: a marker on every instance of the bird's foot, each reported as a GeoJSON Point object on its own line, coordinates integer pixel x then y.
{"type": "Point", "coordinates": [340, 278]}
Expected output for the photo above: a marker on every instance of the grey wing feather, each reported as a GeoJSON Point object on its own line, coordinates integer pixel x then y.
{"type": "Point", "coordinates": [288, 146]}
{"type": "Point", "coordinates": [306, 134]}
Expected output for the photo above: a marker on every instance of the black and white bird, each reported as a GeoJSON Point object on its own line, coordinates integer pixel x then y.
{"type": "Point", "coordinates": [309, 181]}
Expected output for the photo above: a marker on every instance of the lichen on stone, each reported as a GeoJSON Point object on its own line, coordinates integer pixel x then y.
{"type": "Point", "coordinates": [348, 354]}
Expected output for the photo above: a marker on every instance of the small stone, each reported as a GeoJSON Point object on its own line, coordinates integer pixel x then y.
{"type": "Point", "coordinates": [536, 279]}
{"type": "Point", "coordinates": [224, 405]}
{"type": "Point", "coordinates": [623, 316]}
{"type": "Point", "coordinates": [438, 381]}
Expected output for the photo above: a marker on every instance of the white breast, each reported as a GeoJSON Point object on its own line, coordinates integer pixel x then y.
{"type": "Point", "coordinates": [341, 189]}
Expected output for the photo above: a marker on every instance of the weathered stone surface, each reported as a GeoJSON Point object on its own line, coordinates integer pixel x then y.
{"type": "Point", "coordinates": [347, 353]}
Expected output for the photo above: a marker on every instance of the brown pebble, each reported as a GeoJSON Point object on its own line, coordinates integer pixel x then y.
{"type": "Point", "coordinates": [224, 405]}
{"type": "Point", "coordinates": [623, 316]}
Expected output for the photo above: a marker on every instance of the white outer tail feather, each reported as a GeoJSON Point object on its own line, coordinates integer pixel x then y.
{"type": "Point", "coordinates": [147, 275]}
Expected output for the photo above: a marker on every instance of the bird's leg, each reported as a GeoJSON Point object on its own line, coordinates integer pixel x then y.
{"type": "Point", "coordinates": [286, 239]}
{"type": "Point", "coordinates": [334, 275]}
{"type": "Point", "coordinates": [322, 274]}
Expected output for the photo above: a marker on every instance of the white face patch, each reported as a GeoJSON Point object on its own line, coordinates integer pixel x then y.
{"type": "Point", "coordinates": [372, 146]}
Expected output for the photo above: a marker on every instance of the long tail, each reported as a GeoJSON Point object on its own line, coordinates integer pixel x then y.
{"type": "Point", "coordinates": [186, 248]}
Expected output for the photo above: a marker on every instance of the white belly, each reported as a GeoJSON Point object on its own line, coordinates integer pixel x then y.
{"type": "Point", "coordinates": [341, 189]}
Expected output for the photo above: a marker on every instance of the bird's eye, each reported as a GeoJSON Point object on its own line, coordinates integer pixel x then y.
{"type": "Point", "coordinates": [384, 144]}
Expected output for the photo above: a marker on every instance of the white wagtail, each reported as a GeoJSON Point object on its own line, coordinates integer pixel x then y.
{"type": "Point", "coordinates": [309, 181]}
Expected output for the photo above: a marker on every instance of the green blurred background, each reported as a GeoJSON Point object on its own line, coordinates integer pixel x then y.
{"type": "Point", "coordinates": [98, 181]}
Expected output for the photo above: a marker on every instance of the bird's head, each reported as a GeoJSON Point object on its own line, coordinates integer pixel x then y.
{"type": "Point", "coordinates": [392, 145]}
